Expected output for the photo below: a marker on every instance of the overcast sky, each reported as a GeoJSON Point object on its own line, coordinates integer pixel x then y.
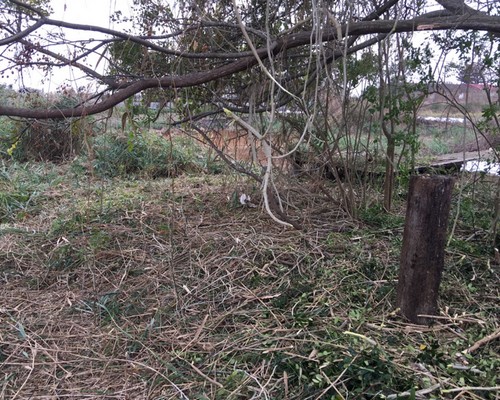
{"type": "Point", "coordinates": [92, 12]}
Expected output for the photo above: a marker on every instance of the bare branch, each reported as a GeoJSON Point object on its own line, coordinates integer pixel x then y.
{"type": "Point", "coordinates": [27, 7]}
{"type": "Point", "coordinates": [457, 7]}
{"type": "Point", "coordinates": [65, 61]}
{"type": "Point", "coordinates": [18, 36]}
{"type": "Point", "coordinates": [281, 45]}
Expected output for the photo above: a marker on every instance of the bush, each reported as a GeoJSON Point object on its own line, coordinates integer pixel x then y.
{"type": "Point", "coordinates": [55, 140]}
{"type": "Point", "coordinates": [147, 154]}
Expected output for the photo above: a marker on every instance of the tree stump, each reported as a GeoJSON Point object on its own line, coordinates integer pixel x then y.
{"type": "Point", "coordinates": [424, 241]}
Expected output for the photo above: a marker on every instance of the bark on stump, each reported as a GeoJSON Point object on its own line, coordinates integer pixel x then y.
{"type": "Point", "coordinates": [424, 241]}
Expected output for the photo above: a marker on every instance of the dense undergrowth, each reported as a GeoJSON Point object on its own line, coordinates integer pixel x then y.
{"type": "Point", "coordinates": [168, 288]}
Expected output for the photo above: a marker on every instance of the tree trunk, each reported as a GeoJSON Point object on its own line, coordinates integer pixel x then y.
{"type": "Point", "coordinates": [424, 240]}
{"type": "Point", "coordinates": [389, 172]}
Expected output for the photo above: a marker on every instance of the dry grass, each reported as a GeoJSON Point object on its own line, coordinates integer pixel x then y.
{"type": "Point", "coordinates": [169, 290]}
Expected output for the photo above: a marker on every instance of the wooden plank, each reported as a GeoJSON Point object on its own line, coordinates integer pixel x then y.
{"type": "Point", "coordinates": [454, 161]}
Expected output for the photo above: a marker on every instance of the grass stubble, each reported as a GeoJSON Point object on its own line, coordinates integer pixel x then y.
{"type": "Point", "coordinates": [169, 289]}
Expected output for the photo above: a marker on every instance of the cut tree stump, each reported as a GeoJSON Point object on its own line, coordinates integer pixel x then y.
{"type": "Point", "coordinates": [424, 241]}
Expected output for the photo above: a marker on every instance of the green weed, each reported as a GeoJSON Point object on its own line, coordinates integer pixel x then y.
{"type": "Point", "coordinates": [148, 154]}
{"type": "Point", "coordinates": [21, 189]}
{"type": "Point", "coordinates": [377, 217]}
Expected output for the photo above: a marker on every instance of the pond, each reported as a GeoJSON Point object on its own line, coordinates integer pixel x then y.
{"type": "Point", "coordinates": [488, 167]}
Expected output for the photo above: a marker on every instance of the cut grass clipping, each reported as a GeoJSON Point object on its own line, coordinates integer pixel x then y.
{"type": "Point", "coordinates": [165, 289]}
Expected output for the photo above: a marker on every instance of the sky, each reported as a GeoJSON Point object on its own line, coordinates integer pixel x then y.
{"type": "Point", "coordinates": [92, 12]}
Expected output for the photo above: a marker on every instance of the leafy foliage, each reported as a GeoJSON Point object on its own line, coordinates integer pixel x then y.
{"type": "Point", "coordinates": [146, 153]}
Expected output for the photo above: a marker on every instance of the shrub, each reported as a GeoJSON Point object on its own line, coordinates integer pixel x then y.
{"type": "Point", "coordinates": [145, 153]}
{"type": "Point", "coordinates": [55, 140]}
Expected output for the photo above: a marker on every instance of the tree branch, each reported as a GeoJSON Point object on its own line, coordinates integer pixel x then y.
{"type": "Point", "coordinates": [27, 7]}
{"type": "Point", "coordinates": [18, 36]}
{"type": "Point", "coordinates": [457, 7]}
{"type": "Point", "coordinates": [291, 41]}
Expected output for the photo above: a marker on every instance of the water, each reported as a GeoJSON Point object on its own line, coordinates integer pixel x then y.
{"type": "Point", "coordinates": [452, 120]}
{"type": "Point", "coordinates": [489, 168]}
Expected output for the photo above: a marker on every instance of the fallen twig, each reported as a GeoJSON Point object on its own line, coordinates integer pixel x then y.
{"type": "Point", "coordinates": [472, 389]}
{"type": "Point", "coordinates": [482, 342]}
{"type": "Point", "coordinates": [417, 393]}
{"type": "Point", "coordinates": [198, 371]}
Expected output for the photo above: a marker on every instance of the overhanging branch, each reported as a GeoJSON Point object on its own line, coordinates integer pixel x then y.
{"type": "Point", "coordinates": [464, 22]}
